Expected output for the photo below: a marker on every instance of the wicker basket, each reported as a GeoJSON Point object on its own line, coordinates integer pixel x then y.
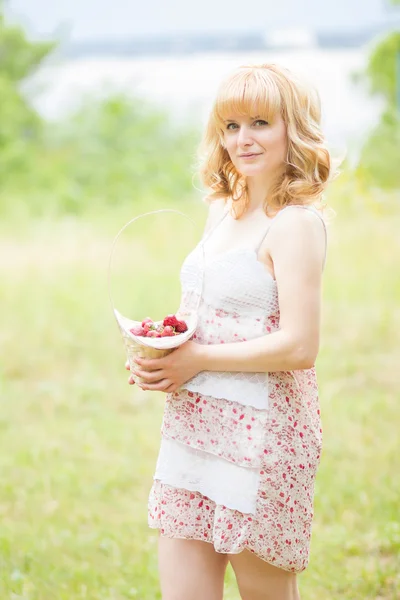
{"type": "Point", "coordinates": [151, 347]}
{"type": "Point", "coordinates": [155, 347]}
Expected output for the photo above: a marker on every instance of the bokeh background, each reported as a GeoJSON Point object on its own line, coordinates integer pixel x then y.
{"type": "Point", "coordinates": [101, 109]}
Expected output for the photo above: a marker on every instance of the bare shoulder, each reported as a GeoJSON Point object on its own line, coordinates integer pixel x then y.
{"type": "Point", "coordinates": [304, 233]}
{"type": "Point", "coordinates": [299, 221]}
{"type": "Point", "coordinates": [299, 216]}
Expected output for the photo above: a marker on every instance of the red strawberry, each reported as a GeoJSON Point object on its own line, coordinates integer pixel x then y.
{"type": "Point", "coordinates": [148, 327]}
{"type": "Point", "coordinates": [153, 333]}
{"type": "Point", "coordinates": [170, 320]}
{"type": "Point", "coordinates": [168, 331]}
{"type": "Point", "coordinates": [181, 327]}
{"type": "Point", "coordinates": [137, 330]}
{"type": "Point", "coordinates": [147, 320]}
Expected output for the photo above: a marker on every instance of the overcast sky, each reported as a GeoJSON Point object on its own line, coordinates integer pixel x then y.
{"type": "Point", "coordinates": [88, 19]}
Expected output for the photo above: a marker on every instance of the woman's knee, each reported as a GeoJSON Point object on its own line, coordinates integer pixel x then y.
{"type": "Point", "coordinates": [190, 570]}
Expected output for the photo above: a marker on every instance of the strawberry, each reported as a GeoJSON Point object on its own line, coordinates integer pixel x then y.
{"type": "Point", "coordinates": [168, 331]}
{"type": "Point", "coordinates": [153, 333]}
{"type": "Point", "coordinates": [181, 327]}
{"type": "Point", "coordinates": [137, 330]}
{"type": "Point", "coordinates": [148, 327]}
{"type": "Point", "coordinates": [170, 320]}
{"type": "Point", "coordinates": [147, 320]}
{"type": "Point", "coordinates": [169, 327]}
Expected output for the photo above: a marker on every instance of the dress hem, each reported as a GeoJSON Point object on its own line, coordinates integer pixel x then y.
{"type": "Point", "coordinates": [200, 539]}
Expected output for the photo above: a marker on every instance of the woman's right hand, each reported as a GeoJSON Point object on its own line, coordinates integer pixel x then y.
{"type": "Point", "coordinates": [127, 367]}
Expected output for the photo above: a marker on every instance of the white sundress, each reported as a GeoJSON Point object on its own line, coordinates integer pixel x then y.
{"type": "Point", "coordinates": [239, 451]}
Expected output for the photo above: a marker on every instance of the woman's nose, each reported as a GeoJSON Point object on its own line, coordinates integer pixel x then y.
{"type": "Point", "coordinates": [244, 137]}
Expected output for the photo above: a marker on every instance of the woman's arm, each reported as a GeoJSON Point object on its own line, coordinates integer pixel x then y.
{"type": "Point", "coordinates": [297, 247]}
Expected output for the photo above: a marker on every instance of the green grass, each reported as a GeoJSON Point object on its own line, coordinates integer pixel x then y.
{"type": "Point", "coordinates": [78, 445]}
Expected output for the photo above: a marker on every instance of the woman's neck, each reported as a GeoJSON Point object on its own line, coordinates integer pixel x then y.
{"type": "Point", "coordinates": [259, 189]}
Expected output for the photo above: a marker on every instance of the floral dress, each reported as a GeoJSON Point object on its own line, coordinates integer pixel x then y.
{"type": "Point", "coordinates": [239, 451]}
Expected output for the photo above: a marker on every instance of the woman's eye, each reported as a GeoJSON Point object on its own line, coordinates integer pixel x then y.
{"type": "Point", "coordinates": [258, 122]}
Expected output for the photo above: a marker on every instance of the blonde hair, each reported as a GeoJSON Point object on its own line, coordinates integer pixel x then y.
{"type": "Point", "coordinates": [268, 90]}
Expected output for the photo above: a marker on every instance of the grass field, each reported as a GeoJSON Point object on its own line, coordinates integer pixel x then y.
{"type": "Point", "coordinates": [78, 445]}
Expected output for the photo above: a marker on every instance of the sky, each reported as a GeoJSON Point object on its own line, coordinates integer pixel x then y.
{"type": "Point", "coordinates": [92, 19]}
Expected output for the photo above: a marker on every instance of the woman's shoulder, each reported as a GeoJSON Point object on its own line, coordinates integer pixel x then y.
{"type": "Point", "coordinates": [300, 216]}
{"type": "Point", "coordinates": [303, 225]}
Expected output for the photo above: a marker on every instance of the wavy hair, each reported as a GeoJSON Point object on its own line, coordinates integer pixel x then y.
{"type": "Point", "coordinates": [269, 90]}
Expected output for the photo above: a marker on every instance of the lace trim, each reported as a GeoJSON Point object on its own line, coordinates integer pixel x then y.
{"type": "Point", "coordinates": [248, 389]}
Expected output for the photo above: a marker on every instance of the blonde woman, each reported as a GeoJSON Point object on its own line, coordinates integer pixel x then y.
{"type": "Point", "coordinates": [241, 433]}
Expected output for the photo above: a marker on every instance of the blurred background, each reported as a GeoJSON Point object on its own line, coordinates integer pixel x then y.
{"type": "Point", "coordinates": [102, 105]}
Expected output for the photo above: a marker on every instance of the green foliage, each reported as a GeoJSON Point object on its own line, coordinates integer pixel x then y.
{"type": "Point", "coordinates": [382, 66]}
{"type": "Point", "coordinates": [120, 149]}
{"type": "Point", "coordinates": [380, 156]}
{"type": "Point", "coordinates": [20, 126]}
{"type": "Point", "coordinates": [111, 152]}
{"type": "Point", "coordinates": [20, 57]}
{"type": "Point", "coordinates": [20, 131]}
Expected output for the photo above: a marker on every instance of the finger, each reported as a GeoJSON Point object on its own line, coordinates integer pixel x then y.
{"type": "Point", "coordinates": [127, 365]}
{"type": "Point", "coordinates": [131, 381]}
{"type": "Point", "coordinates": [160, 386]}
{"type": "Point", "coordinates": [149, 364]}
{"type": "Point", "coordinates": [149, 376]}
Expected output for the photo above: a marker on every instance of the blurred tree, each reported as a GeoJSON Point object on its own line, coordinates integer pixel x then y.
{"type": "Point", "coordinates": [382, 68]}
{"type": "Point", "coordinates": [380, 155]}
{"type": "Point", "coordinates": [119, 149]}
{"type": "Point", "coordinates": [20, 125]}
{"type": "Point", "coordinates": [19, 56]}
{"type": "Point", "coordinates": [114, 149]}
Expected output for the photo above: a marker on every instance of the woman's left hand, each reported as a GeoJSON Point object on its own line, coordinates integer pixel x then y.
{"type": "Point", "coordinates": [167, 374]}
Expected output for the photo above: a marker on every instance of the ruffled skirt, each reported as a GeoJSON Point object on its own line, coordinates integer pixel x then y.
{"type": "Point", "coordinates": [178, 513]}
{"type": "Point", "coordinates": [285, 457]}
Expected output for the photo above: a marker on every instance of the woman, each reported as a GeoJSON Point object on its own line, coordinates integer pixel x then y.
{"type": "Point", "coordinates": [241, 433]}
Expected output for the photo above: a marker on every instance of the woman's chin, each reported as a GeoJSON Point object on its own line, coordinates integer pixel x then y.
{"type": "Point", "coordinates": [252, 171]}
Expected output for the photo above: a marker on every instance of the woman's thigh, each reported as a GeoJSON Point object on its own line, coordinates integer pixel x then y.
{"type": "Point", "coordinates": [258, 580]}
{"type": "Point", "coordinates": [190, 570]}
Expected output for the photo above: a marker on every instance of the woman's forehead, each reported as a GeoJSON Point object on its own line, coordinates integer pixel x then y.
{"type": "Point", "coordinates": [233, 107]}
{"type": "Point", "coordinates": [233, 112]}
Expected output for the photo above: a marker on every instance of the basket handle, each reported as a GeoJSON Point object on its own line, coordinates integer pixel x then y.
{"type": "Point", "coordinates": [153, 212]}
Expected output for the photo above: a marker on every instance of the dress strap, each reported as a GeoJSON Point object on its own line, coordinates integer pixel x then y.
{"type": "Point", "coordinates": [212, 229]}
{"type": "Point", "coordinates": [312, 208]}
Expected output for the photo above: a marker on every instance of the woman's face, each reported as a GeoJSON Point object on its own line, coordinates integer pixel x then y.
{"type": "Point", "coordinates": [255, 146]}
